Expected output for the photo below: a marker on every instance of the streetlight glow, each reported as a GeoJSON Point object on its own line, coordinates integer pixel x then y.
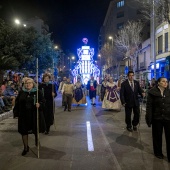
{"type": "Point", "coordinates": [56, 47]}
{"type": "Point", "coordinates": [110, 37]}
{"type": "Point", "coordinates": [24, 25]}
{"type": "Point", "coordinates": [72, 57]}
{"type": "Point", "coordinates": [17, 21]}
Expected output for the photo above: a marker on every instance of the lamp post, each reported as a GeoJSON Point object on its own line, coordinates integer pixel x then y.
{"type": "Point", "coordinates": [99, 56]}
{"type": "Point", "coordinates": [111, 38]}
{"type": "Point", "coordinates": [153, 37]}
{"type": "Point", "coordinates": [71, 58]}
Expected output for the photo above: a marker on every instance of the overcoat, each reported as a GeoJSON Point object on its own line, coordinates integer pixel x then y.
{"type": "Point", "coordinates": [26, 111]}
{"type": "Point", "coordinates": [47, 89]}
{"type": "Point", "coordinates": [157, 106]}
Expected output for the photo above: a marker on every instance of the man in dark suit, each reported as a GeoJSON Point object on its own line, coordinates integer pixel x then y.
{"type": "Point", "coordinates": [129, 98]}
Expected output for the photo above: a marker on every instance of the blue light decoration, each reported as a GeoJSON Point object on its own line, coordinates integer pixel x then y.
{"type": "Point", "coordinates": [85, 66]}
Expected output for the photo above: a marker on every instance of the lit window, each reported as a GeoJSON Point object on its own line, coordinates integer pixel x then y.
{"type": "Point", "coordinates": [120, 3]}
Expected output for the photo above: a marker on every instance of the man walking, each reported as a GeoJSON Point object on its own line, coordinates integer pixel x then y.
{"type": "Point", "coordinates": [68, 89]}
{"type": "Point", "coordinates": [129, 99]}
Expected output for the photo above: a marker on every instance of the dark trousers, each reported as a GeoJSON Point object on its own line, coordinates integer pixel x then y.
{"type": "Point", "coordinates": [136, 114]}
{"type": "Point", "coordinates": [63, 99]}
{"type": "Point", "coordinates": [68, 101]}
{"type": "Point", "coordinates": [157, 131]}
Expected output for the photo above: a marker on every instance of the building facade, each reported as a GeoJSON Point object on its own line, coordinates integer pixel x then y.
{"type": "Point", "coordinates": [118, 13]}
{"type": "Point", "coordinates": [162, 36]}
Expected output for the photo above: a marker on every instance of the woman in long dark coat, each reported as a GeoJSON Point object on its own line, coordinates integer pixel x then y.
{"type": "Point", "coordinates": [49, 92]}
{"type": "Point", "coordinates": [158, 115]}
{"type": "Point", "coordinates": [26, 110]}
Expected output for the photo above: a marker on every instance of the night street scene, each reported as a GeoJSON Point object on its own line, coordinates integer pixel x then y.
{"type": "Point", "coordinates": [85, 85]}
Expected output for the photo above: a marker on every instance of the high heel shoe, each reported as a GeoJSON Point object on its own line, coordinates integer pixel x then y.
{"type": "Point", "coordinates": [24, 152]}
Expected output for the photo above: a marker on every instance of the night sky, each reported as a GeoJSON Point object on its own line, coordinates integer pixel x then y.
{"type": "Point", "coordinates": [69, 20]}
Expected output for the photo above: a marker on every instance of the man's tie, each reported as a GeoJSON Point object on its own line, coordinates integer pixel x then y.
{"type": "Point", "coordinates": [131, 84]}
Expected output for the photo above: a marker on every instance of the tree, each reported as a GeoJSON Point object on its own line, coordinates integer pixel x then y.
{"type": "Point", "coordinates": [161, 7]}
{"type": "Point", "coordinates": [19, 48]}
{"type": "Point", "coordinates": [41, 48]}
{"type": "Point", "coordinates": [128, 40]}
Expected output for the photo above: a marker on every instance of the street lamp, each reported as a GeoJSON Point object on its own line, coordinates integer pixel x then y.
{"type": "Point", "coordinates": [17, 21]}
{"type": "Point", "coordinates": [111, 38]}
{"type": "Point", "coordinates": [71, 58]}
{"type": "Point", "coordinates": [55, 47]}
{"type": "Point", "coordinates": [153, 36]}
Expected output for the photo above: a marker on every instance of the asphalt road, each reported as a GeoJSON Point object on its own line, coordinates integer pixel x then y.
{"type": "Point", "coordinates": [88, 138]}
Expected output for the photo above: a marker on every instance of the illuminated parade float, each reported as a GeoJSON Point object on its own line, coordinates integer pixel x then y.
{"type": "Point", "coordinates": [85, 66]}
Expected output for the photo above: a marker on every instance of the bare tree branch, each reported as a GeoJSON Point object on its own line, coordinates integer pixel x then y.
{"type": "Point", "coordinates": [128, 39]}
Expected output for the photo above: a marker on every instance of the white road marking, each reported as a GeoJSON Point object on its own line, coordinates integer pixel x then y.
{"type": "Point", "coordinates": [89, 137]}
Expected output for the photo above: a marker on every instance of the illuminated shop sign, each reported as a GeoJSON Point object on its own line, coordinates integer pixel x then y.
{"type": "Point", "coordinates": [157, 66]}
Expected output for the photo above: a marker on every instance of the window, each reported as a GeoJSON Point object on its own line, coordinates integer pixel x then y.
{"type": "Point", "coordinates": [120, 3]}
{"type": "Point", "coordinates": [120, 14]}
{"type": "Point", "coordinates": [166, 42]}
{"type": "Point", "coordinates": [160, 44]}
{"type": "Point", "coordinates": [120, 25]}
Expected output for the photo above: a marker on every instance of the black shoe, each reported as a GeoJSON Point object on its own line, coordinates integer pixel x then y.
{"type": "Point", "coordinates": [134, 128]}
{"type": "Point", "coordinates": [160, 156]}
{"type": "Point", "coordinates": [65, 108]}
{"type": "Point", "coordinates": [130, 129]}
{"type": "Point", "coordinates": [24, 152]}
{"type": "Point", "coordinates": [69, 110]}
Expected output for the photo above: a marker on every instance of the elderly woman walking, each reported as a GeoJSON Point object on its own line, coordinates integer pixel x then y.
{"type": "Point", "coordinates": [26, 110]}
{"type": "Point", "coordinates": [158, 115]}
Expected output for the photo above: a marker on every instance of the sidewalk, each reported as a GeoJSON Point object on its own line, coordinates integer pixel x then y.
{"type": "Point", "coordinates": [6, 115]}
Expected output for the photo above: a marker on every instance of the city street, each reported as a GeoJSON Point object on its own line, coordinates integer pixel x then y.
{"type": "Point", "coordinates": [88, 138]}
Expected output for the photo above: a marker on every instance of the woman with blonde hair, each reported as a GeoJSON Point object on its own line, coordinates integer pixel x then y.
{"type": "Point", "coordinates": [26, 110]}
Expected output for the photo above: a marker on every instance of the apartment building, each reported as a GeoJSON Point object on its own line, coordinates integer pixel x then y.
{"type": "Point", "coordinates": [118, 13]}
{"type": "Point", "coordinates": [162, 36]}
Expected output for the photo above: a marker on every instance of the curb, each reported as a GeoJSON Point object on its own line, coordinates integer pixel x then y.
{"type": "Point", "coordinates": [6, 115]}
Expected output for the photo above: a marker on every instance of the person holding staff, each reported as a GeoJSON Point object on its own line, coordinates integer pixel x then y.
{"type": "Point", "coordinates": [49, 92]}
{"type": "Point", "coordinates": [26, 110]}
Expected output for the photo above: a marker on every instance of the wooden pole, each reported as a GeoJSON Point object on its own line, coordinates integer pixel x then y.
{"type": "Point", "coordinates": [53, 96]}
{"type": "Point", "coordinates": [38, 143]}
